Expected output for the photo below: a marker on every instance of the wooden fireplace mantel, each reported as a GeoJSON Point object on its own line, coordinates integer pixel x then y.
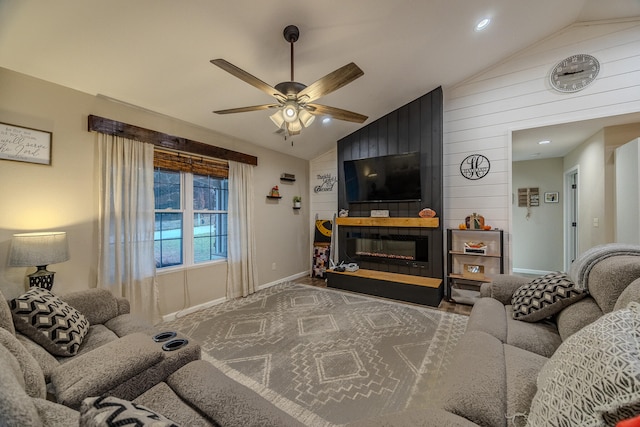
{"type": "Point", "coordinates": [388, 222]}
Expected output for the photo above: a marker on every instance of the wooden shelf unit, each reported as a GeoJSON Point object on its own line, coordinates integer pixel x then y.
{"type": "Point", "coordinates": [493, 262]}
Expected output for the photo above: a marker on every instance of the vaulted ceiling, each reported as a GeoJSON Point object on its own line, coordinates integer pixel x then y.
{"type": "Point", "coordinates": [154, 54]}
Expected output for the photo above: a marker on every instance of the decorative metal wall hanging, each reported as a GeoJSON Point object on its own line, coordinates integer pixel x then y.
{"type": "Point", "coordinates": [475, 166]}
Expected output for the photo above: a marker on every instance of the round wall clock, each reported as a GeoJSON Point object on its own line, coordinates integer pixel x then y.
{"type": "Point", "coordinates": [574, 73]}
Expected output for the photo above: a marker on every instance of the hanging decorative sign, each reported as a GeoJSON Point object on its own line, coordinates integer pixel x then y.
{"type": "Point", "coordinates": [327, 182]}
{"type": "Point", "coordinates": [475, 166]}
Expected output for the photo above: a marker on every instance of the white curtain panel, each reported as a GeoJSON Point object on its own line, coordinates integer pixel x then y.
{"type": "Point", "coordinates": [241, 258]}
{"type": "Point", "coordinates": [126, 262]}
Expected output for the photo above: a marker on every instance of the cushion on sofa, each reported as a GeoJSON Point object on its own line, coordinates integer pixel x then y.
{"type": "Point", "coordinates": [225, 400]}
{"type": "Point", "coordinates": [32, 375]}
{"type": "Point", "coordinates": [544, 296]}
{"type": "Point", "coordinates": [162, 399]}
{"type": "Point", "coordinates": [16, 407]}
{"type": "Point", "coordinates": [609, 277]}
{"type": "Point", "coordinates": [576, 316]}
{"type": "Point", "coordinates": [522, 369]}
{"type": "Point", "coordinates": [592, 377]}
{"type": "Point", "coordinates": [55, 415]}
{"type": "Point", "coordinates": [494, 318]}
{"type": "Point", "coordinates": [106, 411]}
{"type": "Point", "coordinates": [49, 321]}
{"type": "Point", "coordinates": [540, 337]}
{"type": "Point", "coordinates": [85, 301]}
{"type": "Point", "coordinates": [475, 386]}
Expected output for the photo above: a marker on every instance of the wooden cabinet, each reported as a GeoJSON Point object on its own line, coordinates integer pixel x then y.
{"type": "Point", "coordinates": [473, 258]}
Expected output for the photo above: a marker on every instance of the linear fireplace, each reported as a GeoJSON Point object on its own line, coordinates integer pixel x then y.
{"type": "Point", "coordinates": [397, 249]}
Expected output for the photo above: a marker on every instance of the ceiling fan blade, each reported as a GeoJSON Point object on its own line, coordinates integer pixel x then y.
{"type": "Point", "coordinates": [336, 113]}
{"type": "Point", "coordinates": [247, 109]}
{"type": "Point", "coordinates": [248, 78]}
{"type": "Point", "coordinates": [331, 82]}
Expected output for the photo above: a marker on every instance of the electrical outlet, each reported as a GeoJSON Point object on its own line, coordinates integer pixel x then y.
{"type": "Point", "coordinates": [273, 265]}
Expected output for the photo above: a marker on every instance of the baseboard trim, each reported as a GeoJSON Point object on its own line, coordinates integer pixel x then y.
{"type": "Point", "coordinates": [173, 316]}
{"type": "Point", "coordinates": [285, 279]}
{"type": "Point", "coordinates": [177, 314]}
{"type": "Point", "coordinates": [530, 271]}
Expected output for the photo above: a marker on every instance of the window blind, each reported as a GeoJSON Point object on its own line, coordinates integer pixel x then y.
{"type": "Point", "coordinates": [185, 162]}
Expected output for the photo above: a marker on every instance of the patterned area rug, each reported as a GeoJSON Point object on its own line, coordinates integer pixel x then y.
{"type": "Point", "coordinates": [325, 356]}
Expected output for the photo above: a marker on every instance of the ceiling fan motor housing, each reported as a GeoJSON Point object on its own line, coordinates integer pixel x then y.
{"type": "Point", "coordinates": [291, 33]}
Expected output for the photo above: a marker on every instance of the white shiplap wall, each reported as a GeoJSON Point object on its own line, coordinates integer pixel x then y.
{"type": "Point", "coordinates": [481, 113]}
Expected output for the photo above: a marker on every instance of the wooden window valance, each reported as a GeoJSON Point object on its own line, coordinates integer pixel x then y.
{"type": "Point", "coordinates": [169, 142]}
{"type": "Point", "coordinates": [189, 163]}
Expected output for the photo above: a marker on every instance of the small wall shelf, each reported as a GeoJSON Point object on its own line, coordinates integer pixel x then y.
{"type": "Point", "coordinates": [274, 197]}
{"type": "Point", "coordinates": [287, 179]}
{"type": "Point", "coordinates": [297, 208]}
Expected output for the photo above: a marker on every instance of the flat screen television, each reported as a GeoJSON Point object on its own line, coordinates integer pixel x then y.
{"type": "Point", "coordinates": [383, 179]}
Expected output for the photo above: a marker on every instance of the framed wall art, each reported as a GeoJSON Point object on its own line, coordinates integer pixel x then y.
{"type": "Point", "coordinates": [551, 197]}
{"type": "Point", "coordinates": [25, 144]}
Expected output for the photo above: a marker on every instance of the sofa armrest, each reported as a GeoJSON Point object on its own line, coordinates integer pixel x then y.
{"type": "Point", "coordinates": [102, 369]}
{"type": "Point", "coordinates": [97, 305]}
{"type": "Point", "coordinates": [123, 306]}
{"type": "Point", "coordinates": [502, 287]}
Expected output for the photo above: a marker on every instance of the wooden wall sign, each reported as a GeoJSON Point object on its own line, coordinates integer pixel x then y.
{"type": "Point", "coordinates": [24, 144]}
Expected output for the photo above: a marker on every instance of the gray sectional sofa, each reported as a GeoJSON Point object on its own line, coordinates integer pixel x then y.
{"type": "Point", "coordinates": [493, 376]}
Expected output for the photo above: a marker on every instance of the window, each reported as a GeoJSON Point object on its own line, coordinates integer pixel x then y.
{"type": "Point", "coordinates": [191, 218]}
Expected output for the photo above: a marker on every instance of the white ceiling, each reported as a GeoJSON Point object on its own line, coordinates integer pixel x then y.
{"type": "Point", "coordinates": [155, 54]}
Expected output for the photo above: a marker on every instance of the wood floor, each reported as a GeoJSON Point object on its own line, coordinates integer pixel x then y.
{"type": "Point", "coordinates": [444, 305]}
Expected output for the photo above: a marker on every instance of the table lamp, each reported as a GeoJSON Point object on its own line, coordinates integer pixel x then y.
{"type": "Point", "coordinates": [39, 250]}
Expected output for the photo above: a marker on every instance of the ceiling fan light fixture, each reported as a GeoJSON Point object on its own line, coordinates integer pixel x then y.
{"type": "Point", "coordinates": [306, 118]}
{"type": "Point", "coordinates": [290, 111]}
{"type": "Point", "coordinates": [294, 127]}
{"type": "Point", "coordinates": [277, 118]}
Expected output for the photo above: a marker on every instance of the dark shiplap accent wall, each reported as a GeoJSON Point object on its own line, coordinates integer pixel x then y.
{"type": "Point", "coordinates": [416, 126]}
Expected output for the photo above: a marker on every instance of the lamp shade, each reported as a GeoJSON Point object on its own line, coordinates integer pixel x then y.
{"type": "Point", "coordinates": [37, 249]}
{"type": "Point", "coordinates": [277, 118]}
{"type": "Point", "coordinates": [306, 118]}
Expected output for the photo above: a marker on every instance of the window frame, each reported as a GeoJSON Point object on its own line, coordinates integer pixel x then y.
{"type": "Point", "coordinates": [188, 212]}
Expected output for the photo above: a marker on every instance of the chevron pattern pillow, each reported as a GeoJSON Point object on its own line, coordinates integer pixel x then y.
{"type": "Point", "coordinates": [544, 297]}
{"type": "Point", "coordinates": [49, 321]}
{"type": "Point", "coordinates": [110, 411]}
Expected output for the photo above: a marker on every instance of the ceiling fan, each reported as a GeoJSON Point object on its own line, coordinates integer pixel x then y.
{"type": "Point", "coordinates": [294, 100]}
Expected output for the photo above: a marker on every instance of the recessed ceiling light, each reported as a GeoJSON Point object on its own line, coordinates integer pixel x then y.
{"type": "Point", "coordinates": [543, 142]}
{"type": "Point", "coordinates": [482, 24]}
{"type": "Point", "coordinates": [326, 120]}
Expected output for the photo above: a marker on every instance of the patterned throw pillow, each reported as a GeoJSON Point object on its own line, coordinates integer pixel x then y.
{"type": "Point", "coordinates": [110, 411]}
{"type": "Point", "coordinates": [592, 378]}
{"type": "Point", "coordinates": [49, 321]}
{"type": "Point", "coordinates": [544, 297]}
